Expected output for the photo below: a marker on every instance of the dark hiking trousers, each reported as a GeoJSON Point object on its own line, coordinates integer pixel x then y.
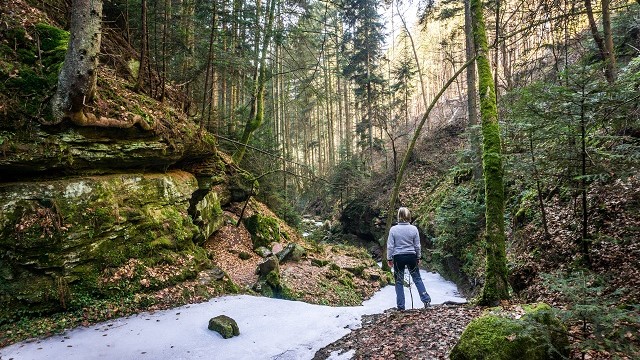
{"type": "Point", "coordinates": [409, 261]}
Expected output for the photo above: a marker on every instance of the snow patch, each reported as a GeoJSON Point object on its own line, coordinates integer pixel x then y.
{"type": "Point", "coordinates": [269, 329]}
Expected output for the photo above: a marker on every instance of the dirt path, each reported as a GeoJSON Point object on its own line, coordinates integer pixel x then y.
{"type": "Point", "coordinates": [412, 334]}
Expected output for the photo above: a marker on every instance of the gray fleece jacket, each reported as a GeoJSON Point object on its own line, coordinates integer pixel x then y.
{"type": "Point", "coordinates": [403, 239]}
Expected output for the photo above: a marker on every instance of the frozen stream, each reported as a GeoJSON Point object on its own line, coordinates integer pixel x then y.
{"type": "Point", "coordinates": [269, 329]}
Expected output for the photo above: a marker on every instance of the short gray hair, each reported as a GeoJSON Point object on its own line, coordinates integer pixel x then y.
{"type": "Point", "coordinates": [404, 215]}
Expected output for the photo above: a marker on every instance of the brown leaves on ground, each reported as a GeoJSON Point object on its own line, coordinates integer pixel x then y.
{"type": "Point", "coordinates": [413, 334]}
{"type": "Point", "coordinates": [328, 274]}
{"type": "Point", "coordinates": [225, 247]}
{"type": "Point", "coordinates": [614, 250]}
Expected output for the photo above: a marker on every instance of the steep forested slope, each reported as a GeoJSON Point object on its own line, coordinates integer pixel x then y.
{"type": "Point", "coordinates": [139, 213]}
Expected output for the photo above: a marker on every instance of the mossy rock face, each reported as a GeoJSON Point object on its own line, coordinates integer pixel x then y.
{"type": "Point", "coordinates": [264, 230]}
{"type": "Point", "coordinates": [209, 214]}
{"type": "Point", "coordinates": [536, 335]}
{"type": "Point", "coordinates": [359, 218]}
{"type": "Point", "coordinates": [59, 238]}
{"type": "Point", "coordinates": [225, 326]}
{"type": "Point", "coordinates": [78, 150]}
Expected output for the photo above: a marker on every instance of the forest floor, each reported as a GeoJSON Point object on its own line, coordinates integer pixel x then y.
{"type": "Point", "coordinates": [412, 334]}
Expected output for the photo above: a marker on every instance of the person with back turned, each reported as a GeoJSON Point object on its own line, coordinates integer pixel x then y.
{"type": "Point", "coordinates": [403, 250]}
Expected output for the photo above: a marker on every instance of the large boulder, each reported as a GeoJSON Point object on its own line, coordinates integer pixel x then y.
{"type": "Point", "coordinates": [58, 237]}
{"type": "Point", "coordinates": [225, 326]}
{"type": "Point", "coordinates": [532, 333]}
{"type": "Point", "coordinates": [268, 265]}
{"type": "Point", "coordinates": [292, 251]}
{"type": "Point", "coordinates": [264, 230]}
{"type": "Point", "coordinates": [269, 280]}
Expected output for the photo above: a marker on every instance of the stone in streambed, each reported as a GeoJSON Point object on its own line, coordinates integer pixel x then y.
{"type": "Point", "coordinates": [225, 326]}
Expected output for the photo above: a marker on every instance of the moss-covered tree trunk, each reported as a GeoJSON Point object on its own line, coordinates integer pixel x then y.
{"type": "Point", "coordinates": [256, 114]}
{"type": "Point", "coordinates": [496, 286]}
{"type": "Point", "coordinates": [77, 80]}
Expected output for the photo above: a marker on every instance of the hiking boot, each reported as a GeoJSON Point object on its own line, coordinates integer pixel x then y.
{"type": "Point", "coordinates": [427, 305]}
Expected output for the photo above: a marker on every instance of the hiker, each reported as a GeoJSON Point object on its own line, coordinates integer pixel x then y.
{"type": "Point", "coordinates": [403, 250]}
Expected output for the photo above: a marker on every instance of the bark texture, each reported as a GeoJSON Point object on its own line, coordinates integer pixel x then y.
{"type": "Point", "coordinates": [77, 80]}
{"type": "Point", "coordinates": [496, 285]}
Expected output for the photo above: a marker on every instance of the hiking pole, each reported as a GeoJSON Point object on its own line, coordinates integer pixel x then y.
{"type": "Point", "coordinates": [410, 292]}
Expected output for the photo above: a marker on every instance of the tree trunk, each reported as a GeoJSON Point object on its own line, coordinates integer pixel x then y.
{"type": "Point", "coordinates": [143, 48]}
{"type": "Point", "coordinates": [496, 285]}
{"type": "Point", "coordinates": [585, 239]}
{"type": "Point", "coordinates": [610, 59]}
{"type": "Point", "coordinates": [472, 91]}
{"type": "Point", "coordinates": [604, 45]}
{"type": "Point", "coordinates": [188, 11]}
{"type": "Point", "coordinates": [78, 76]}
{"type": "Point", "coordinates": [256, 114]}
{"type": "Point", "coordinates": [536, 176]}
{"type": "Point", "coordinates": [594, 28]}
{"type": "Point", "coordinates": [165, 33]}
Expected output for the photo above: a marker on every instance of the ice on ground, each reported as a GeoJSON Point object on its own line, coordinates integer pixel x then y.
{"type": "Point", "coordinates": [269, 329]}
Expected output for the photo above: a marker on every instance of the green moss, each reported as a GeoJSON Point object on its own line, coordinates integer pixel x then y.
{"type": "Point", "coordinates": [496, 284]}
{"type": "Point", "coordinates": [225, 326]}
{"type": "Point", "coordinates": [163, 242]}
{"type": "Point", "coordinates": [37, 59]}
{"type": "Point", "coordinates": [357, 270]}
{"type": "Point", "coordinates": [263, 229]}
{"type": "Point", "coordinates": [273, 279]}
{"type": "Point", "coordinates": [536, 335]}
{"type": "Point", "coordinates": [319, 262]}
{"type": "Point", "coordinates": [53, 44]}
{"type": "Point", "coordinates": [347, 281]}
{"type": "Point", "coordinates": [339, 294]}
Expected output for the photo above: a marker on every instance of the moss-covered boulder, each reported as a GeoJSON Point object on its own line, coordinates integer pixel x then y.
{"type": "Point", "coordinates": [65, 240]}
{"type": "Point", "coordinates": [292, 252]}
{"type": "Point", "coordinates": [225, 326]}
{"type": "Point", "coordinates": [264, 230]}
{"type": "Point", "coordinates": [270, 282]}
{"type": "Point", "coordinates": [531, 332]}
{"type": "Point", "coordinates": [268, 265]}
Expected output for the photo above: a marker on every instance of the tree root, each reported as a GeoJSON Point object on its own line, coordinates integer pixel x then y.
{"type": "Point", "coordinates": [81, 119]}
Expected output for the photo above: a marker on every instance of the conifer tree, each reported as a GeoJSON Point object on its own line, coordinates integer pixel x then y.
{"type": "Point", "coordinates": [77, 79]}
{"type": "Point", "coordinates": [363, 47]}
